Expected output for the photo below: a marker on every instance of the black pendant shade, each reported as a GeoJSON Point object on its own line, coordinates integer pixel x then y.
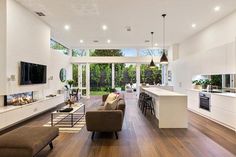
{"type": "Point", "coordinates": [152, 64]}
{"type": "Point", "coordinates": [164, 59]}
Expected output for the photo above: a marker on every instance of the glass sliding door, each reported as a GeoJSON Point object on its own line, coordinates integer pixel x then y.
{"type": "Point", "coordinates": [81, 78]}
{"type": "Point", "coordinates": [125, 77]}
{"type": "Point", "coordinates": [119, 79]}
{"type": "Point", "coordinates": [100, 79]}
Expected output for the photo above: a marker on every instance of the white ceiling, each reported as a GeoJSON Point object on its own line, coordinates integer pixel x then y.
{"type": "Point", "coordinates": [86, 17]}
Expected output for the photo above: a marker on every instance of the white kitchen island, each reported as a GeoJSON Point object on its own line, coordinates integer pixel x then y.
{"type": "Point", "coordinates": [170, 107]}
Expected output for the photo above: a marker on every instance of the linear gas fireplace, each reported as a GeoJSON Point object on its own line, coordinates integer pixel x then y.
{"type": "Point", "coordinates": [18, 99]}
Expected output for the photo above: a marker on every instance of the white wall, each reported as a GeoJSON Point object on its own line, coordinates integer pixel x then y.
{"type": "Point", "coordinates": [28, 39]}
{"type": "Point", "coordinates": [57, 62]}
{"type": "Point", "coordinates": [2, 46]}
{"type": "Point", "coordinates": [216, 35]}
{"type": "Point", "coordinates": [211, 51]}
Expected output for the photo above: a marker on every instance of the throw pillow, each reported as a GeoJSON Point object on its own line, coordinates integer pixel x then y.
{"type": "Point", "coordinates": [111, 105]}
{"type": "Point", "coordinates": [111, 97]}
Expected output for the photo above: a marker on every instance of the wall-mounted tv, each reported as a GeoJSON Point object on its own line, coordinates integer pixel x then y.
{"type": "Point", "coordinates": [31, 73]}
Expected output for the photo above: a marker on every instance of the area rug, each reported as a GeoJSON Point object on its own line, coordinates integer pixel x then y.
{"type": "Point", "coordinates": [65, 125]}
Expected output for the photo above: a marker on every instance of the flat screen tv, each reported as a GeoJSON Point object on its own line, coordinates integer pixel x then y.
{"type": "Point", "coordinates": [32, 73]}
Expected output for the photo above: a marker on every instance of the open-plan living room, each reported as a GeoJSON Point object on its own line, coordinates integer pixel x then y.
{"type": "Point", "coordinates": [116, 78]}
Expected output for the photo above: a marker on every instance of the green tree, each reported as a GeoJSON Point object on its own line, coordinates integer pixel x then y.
{"type": "Point", "coordinates": [78, 52]}
{"type": "Point", "coordinates": [119, 70]}
{"type": "Point", "coordinates": [106, 52]}
{"type": "Point", "coordinates": [95, 74]}
{"type": "Point", "coordinates": [131, 73]}
{"type": "Point", "coordinates": [75, 73]}
{"type": "Point", "coordinates": [150, 75]}
{"type": "Point", "coordinates": [57, 46]}
{"type": "Point", "coordinates": [101, 73]}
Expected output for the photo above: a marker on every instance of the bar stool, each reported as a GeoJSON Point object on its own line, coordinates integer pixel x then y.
{"type": "Point", "coordinates": [148, 106]}
{"type": "Point", "coordinates": [141, 99]}
{"type": "Point", "coordinates": [145, 98]}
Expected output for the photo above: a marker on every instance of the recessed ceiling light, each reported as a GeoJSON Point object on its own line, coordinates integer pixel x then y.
{"type": "Point", "coordinates": [108, 41]}
{"type": "Point", "coordinates": [104, 27]}
{"type": "Point", "coordinates": [81, 41]}
{"type": "Point", "coordinates": [156, 44]}
{"type": "Point", "coordinates": [128, 28]}
{"type": "Point", "coordinates": [217, 8]}
{"type": "Point", "coordinates": [194, 25]}
{"type": "Point", "coordinates": [67, 27]}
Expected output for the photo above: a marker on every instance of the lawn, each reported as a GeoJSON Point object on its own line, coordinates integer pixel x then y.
{"type": "Point", "coordinates": [98, 93]}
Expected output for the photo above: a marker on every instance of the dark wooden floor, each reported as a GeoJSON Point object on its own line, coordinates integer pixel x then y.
{"type": "Point", "coordinates": [141, 137]}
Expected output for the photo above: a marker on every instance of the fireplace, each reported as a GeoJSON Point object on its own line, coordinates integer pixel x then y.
{"type": "Point", "coordinates": [18, 99]}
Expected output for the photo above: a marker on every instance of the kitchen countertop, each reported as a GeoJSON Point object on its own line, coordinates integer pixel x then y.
{"type": "Point", "coordinates": [220, 94]}
{"type": "Point", "coordinates": [161, 92]}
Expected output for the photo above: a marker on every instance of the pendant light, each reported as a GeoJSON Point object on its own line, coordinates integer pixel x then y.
{"type": "Point", "coordinates": [164, 59]}
{"type": "Point", "coordinates": [152, 64]}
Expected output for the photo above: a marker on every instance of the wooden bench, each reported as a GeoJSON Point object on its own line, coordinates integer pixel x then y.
{"type": "Point", "coordinates": [27, 141]}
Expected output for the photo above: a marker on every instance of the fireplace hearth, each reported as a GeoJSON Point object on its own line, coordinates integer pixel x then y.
{"type": "Point", "coordinates": [19, 99]}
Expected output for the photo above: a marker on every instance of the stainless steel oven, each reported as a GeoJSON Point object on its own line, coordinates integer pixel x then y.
{"type": "Point", "coordinates": [205, 101]}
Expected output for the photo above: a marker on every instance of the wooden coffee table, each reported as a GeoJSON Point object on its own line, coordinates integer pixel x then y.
{"type": "Point", "coordinates": [78, 110]}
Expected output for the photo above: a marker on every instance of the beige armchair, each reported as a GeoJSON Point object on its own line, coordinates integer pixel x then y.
{"type": "Point", "coordinates": [106, 120]}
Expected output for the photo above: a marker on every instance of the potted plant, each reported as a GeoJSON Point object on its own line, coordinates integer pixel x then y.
{"type": "Point", "coordinates": [209, 86]}
{"type": "Point", "coordinates": [69, 102]}
{"type": "Point", "coordinates": [70, 82]}
{"type": "Point", "coordinates": [205, 83]}
{"type": "Point", "coordinates": [197, 84]}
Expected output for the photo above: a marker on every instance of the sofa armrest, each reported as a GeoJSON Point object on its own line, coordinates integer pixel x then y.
{"type": "Point", "coordinates": [104, 121]}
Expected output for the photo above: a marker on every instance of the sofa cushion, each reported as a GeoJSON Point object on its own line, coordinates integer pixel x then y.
{"type": "Point", "coordinates": [121, 105]}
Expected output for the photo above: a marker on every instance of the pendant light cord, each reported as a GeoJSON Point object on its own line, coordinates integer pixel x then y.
{"type": "Point", "coordinates": [163, 15]}
{"type": "Point", "coordinates": [152, 44]}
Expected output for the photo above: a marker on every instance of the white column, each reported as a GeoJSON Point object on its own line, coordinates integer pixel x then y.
{"type": "Point", "coordinates": [88, 80]}
{"type": "Point", "coordinates": [164, 74]}
{"type": "Point", "coordinates": [113, 75]}
{"type": "Point", "coordinates": [138, 79]}
{"type": "Point", "coordinates": [80, 76]}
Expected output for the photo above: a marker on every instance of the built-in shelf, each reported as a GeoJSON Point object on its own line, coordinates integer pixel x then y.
{"type": "Point", "coordinates": [11, 115]}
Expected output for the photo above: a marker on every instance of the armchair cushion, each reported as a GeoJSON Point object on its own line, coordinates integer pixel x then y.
{"type": "Point", "coordinates": [104, 121]}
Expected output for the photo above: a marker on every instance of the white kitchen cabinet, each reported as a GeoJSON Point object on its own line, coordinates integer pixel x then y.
{"type": "Point", "coordinates": [223, 108]}
{"type": "Point", "coordinates": [193, 100]}
{"type": "Point", "coordinates": [225, 117]}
